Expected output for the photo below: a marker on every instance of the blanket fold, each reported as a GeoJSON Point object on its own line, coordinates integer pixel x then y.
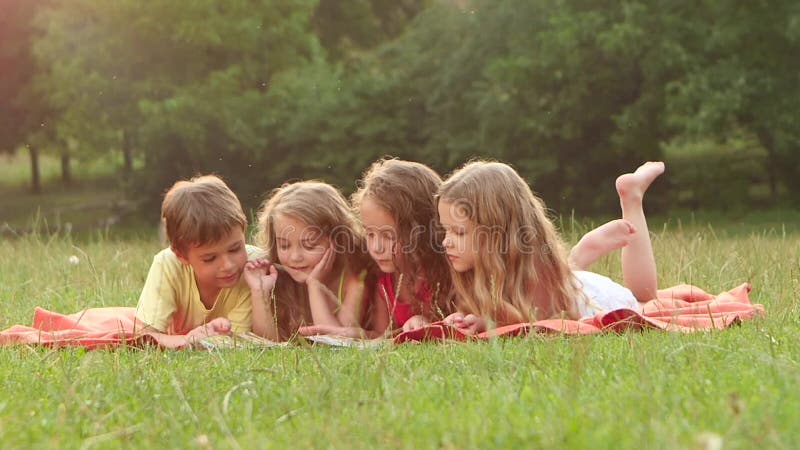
{"type": "Point", "coordinates": [91, 328]}
{"type": "Point", "coordinates": [682, 308]}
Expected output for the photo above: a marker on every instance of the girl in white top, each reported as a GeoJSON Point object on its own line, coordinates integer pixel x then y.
{"type": "Point", "coordinates": [509, 264]}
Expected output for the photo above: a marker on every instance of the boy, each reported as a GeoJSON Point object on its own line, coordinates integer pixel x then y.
{"type": "Point", "coordinates": [195, 287]}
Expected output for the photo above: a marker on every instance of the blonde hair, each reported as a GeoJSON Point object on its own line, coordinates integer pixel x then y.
{"type": "Point", "coordinates": [319, 205]}
{"type": "Point", "coordinates": [199, 211]}
{"type": "Point", "coordinates": [406, 191]}
{"type": "Point", "coordinates": [522, 272]}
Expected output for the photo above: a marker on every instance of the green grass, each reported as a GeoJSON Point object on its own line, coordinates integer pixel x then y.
{"type": "Point", "coordinates": [93, 202]}
{"type": "Point", "coordinates": [84, 206]}
{"type": "Point", "coordinates": [15, 169]}
{"type": "Point", "coordinates": [636, 390]}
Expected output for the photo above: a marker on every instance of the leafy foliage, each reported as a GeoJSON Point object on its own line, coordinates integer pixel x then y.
{"type": "Point", "coordinates": [571, 92]}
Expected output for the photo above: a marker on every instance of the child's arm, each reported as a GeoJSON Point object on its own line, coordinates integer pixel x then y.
{"type": "Point", "coordinates": [158, 299]}
{"type": "Point", "coordinates": [348, 316]}
{"type": "Point", "coordinates": [261, 277]}
{"type": "Point", "coordinates": [379, 320]}
{"type": "Point", "coordinates": [352, 309]}
{"type": "Point", "coordinates": [322, 302]}
{"type": "Point", "coordinates": [220, 325]}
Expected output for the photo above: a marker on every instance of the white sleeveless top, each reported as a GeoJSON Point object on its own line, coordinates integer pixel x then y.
{"type": "Point", "coordinates": [603, 294]}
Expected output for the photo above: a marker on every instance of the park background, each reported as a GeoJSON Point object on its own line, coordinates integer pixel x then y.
{"type": "Point", "coordinates": [104, 104]}
{"type": "Point", "coordinates": [119, 99]}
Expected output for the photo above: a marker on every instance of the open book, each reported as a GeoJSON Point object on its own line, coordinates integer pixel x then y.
{"type": "Point", "coordinates": [341, 341]}
{"type": "Point", "coordinates": [246, 340]}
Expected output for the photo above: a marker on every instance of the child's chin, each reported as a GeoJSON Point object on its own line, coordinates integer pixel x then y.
{"type": "Point", "coordinates": [229, 284]}
{"type": "Point", "coordinates": [461, 268]}
{"type": "Point", "coordinates": [387, 269]}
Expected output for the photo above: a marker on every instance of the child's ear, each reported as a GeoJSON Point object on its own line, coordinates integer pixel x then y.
{"type": "Point", "coordinates": [181, 257]}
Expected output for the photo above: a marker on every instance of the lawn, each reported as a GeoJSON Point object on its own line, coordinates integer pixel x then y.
{"type": "Point", "coordinates": [93, 201]}
{"type": "Point", "coordinates": [740, 386]}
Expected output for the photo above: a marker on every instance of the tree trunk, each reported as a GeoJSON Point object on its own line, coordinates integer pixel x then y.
{"type": "Point", "coordinates": [66, 169]}
{"type": "Point", "coordinates": [36, 178]}
{"type": "Point", "coordinates": [127, 169]}
{"type": "Point", "coordinates": [768, 142]}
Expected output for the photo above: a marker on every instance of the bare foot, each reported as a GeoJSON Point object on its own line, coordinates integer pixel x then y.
{"type": "Point", "coordinates": [633, 185]}
{"type": "Point", "coordinates": [599, 242]}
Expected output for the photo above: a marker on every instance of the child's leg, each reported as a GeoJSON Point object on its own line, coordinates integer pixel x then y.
{"type": "Point", "coordinates": [599, 242]}
{"type": "Point", "coordinates": [638, 262]}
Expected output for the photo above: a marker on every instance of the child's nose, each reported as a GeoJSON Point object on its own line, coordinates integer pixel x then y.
{"type": "Point", "coordinates": [228, 262]}
{"type": "Point", "coordinates": [296, 256]}
{"type": "Point", "coordinates": [375, 246]}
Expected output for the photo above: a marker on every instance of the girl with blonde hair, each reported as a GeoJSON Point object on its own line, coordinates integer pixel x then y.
{"type": "Point", "coordinates": [509, 264]}
{"type": "Point", "coordinates": [309, 230]}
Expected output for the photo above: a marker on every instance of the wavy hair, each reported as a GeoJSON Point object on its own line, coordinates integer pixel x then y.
{"type": "Point", "coordinates": [406, 191]}
{"type": "Point", "coordinates": [318, 205]}
{"type": "Point", "coordinates": [522, 271]}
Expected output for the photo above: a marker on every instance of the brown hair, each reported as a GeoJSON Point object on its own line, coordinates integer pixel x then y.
{"type": "Point", "coordinates": [200, 211]}
{"type": "Point", "coordinates": [406, 191]}
{"type": "Point", "coordinates": [318, 205]}
{"type": "Point", "coordinates": [522, 272]}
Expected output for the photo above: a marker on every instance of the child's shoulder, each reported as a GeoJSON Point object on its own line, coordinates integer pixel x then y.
{"type": "Point", "coordinates": [168, 260]}
{"type": "Point", "coordinates": [166, 256]}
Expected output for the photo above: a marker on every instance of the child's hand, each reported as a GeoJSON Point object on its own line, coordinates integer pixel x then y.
{"type": "Point", "coordinates": [467, 324]}
{"type": "Point", "coordinates": [261, 275]}
{"type": "Point", "coordinates": [323, 267]}
{"type": "Point", "coordinates": [415, 323]}
{"type": "Point", "coordinates": [472, 324]}
{"type": "Point", "coordinates": [451, 319]}
{"type": "Point", "coordinates": [220, 325]}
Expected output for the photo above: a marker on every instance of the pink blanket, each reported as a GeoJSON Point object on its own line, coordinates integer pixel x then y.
{"type": "Point", "coordinates": [682, 308]}
{"type": "Point", "coordinates": [90, 328]}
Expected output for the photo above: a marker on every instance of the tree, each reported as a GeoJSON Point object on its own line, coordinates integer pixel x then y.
{"type": "Point", "coordinates": [543, 85]}
{"type": "Point", "coordinates": [24, 114]}
{"type": "Point", "coordinates": [740, 72]}
{"type": "Point", "coordinates": [182, 82]}
{"type": "Point", "coordinates": [348, 29]}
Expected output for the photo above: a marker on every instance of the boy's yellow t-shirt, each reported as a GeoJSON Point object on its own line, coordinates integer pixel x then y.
{"type": "Point", "coordinates": [170, 301]}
